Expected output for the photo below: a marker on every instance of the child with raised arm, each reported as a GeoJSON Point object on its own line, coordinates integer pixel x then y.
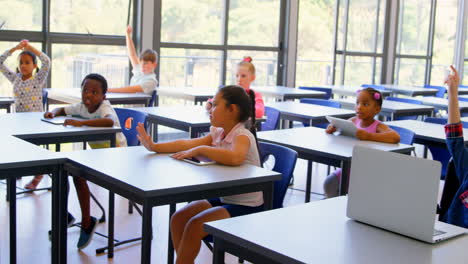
{"type": "Point", "coordinates": [143, 79]}
{"type": "Point", "coordinates": [457, 213]}
{"type": "Point", "coordinates": [229, 142]}
{"type": "Point", "coordinates": [27, 85]}
{"type": "Point", "coordinates": [245, 75]}
{"type": "Point", "coordinates": [368, 105]}
{"type": "Point", "coordinates": [99, 113]}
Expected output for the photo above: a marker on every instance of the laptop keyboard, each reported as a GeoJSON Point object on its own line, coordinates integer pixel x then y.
{"type": "Point", "coordinates": [438, 232]}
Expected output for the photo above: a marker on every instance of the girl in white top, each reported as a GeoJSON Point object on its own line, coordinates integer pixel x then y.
{"type": "Point", "coordinates": [27, 86]}
{"type": "Point", "coordinates": [228, 143]}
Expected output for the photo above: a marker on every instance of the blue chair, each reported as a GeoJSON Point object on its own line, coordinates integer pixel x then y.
{"type": "Point", "coordinates": [441, 90]}
{"type": "Point", "coordinates": [328, 91]}
{"type": "Point", "coordinates": [273, 119]}
{"type": "Point", "coordinates": [406, 135]}
{"type": "Point", "coordinates": [129, 119]}
{"type": "Point", "coordinates": [463, 99]}
{"type": "Point", "coordinates": [440, 154]}
{"type": "Point", "coordinates": [375, 86]}
{"type": "Point", "coordinates": [405, 100]}
{"type": "Point", "coordinates": [45, 95]}
{"type": "Point", "coordinates": [154, 101]}
{"type": "Point", "coordinates": [285, 162]}
{"type": "Point", "coordinates": [323, 103]}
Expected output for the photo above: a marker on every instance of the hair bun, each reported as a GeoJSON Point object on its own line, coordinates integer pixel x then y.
{"type": "Point", "coordinates": [247, 59]}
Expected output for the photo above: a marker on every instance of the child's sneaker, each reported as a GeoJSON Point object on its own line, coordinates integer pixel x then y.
{"type": "Point", "coordinates": [71, 221]}
{"type": "Point", "coordinates": [87, 234]}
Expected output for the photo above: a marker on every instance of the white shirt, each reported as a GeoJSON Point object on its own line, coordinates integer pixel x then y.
{"type": "Point", "coordinates": [148, 82]}
{"type": "Point", "coordinates": [248, 199]}
{"type": "Point", "coordinates": [105, 110]}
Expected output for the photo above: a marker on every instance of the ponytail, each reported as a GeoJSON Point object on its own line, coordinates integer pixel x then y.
{"type": "Point", "coordinates": [253, 123]}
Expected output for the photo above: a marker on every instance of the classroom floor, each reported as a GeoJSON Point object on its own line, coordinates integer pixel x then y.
{"type": "Point", "coordinates": [34, 213]}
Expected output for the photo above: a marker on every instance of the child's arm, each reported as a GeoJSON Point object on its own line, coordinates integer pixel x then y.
{"type": "Point", "coordinates": [9, 74]}
{"type": "Point", "coordinates": [453, 109]}
{"type": "Point", "coordinates": [233, 157]}
{"type": "Point", "coordinates": [170, 147]}
{"type": "Point", "coordinates": [132, 55]}
{"type": "Point", "coordinates": [454, 129]}
{"type": "Point", "coordinates": [60, 111]}
{"type": "Point", "coordinates": [98, 122]}
{"type": "Point", "coordinates": [126, 89]}
{"type": "Point", "coordinates": [384, 134]}
{"type": "Point", "coordinates": [45, 67]}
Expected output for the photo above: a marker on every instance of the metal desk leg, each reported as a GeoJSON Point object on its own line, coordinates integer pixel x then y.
{"type": "Point", "coordinates": [268, 195]}
{"type": "Point", "coordinates": [218, 252]}
{"type": "Point", "coordinates": [11, 184]}
{"type": "Point", "coordinates": [170, 246]}
{"type": "Point", "coordinates": [309, 181]}
{"type": "Point", "coordinates": [61, 181]}
{"type": "Point", "coordinates": [110, 239]}
{"type": "Point", "coordinates": [146, 233]}
{"type": "Point", "coordinates": [345, 170]}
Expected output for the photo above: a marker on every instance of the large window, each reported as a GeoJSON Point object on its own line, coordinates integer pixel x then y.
{"type": "Point", "coordinates": [357, 58]}
{"type": "Point", "coordinates": [426, 39]}
{"type": "Point", "coordinates": [21, 15]}
{"type": "Point", "coordinates": [202, 41]}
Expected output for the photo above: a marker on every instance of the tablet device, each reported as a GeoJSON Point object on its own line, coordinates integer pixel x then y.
{"type": "Point", "coordinates": [59, 120]}
{"type": "Point", "coordinates": [346, 127]}
{"type": "Point", "coordinates": [200, 160]}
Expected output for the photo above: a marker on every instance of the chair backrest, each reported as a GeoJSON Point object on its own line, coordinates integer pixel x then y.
{"type": "Point", "coordinates": [45, 95]}
{"type": "Point", "coordinates": [404, 100]}
{"type": "Point", "coordinates": [321, 102]}
{"type": "Point", "coordinates": [441, 90]}
{"type": "Point", "coordinates": [440, 154]}
{"type": "Point", "coordinates": [154, 101]}
{"type": "Point", "coordinates": [129, 119]}
{"type": "Point", "coordinates": [375, 86]}
{"type": "Point", "coordinates": [328, 91]}
{"type": "Point", "coordinates": [406, 135]}
{"type": "Point", "coordinates": [273, 119]}
{"type": "Point", "coordinates": [285, 162]}
{"type": "Point", "coordinates": [463, 98]}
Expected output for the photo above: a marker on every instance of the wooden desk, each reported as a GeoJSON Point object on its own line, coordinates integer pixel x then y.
{"type": "Point", "coordinates": [314, 145]}
{"type": "Point", "coordinates": [442, 103]}
{"type": "Point", "coordinates": [197, 95]}
{"type": "Point", "coordinates": [410, 90]}
{"type": "Point", "coordinates": [115, 169]}
{"type": "Point", "coordinates": [20, 158]}
{"type": "Point", "coordinates": [320, 232]}
{"type": "Point", "coordinates": [393, 109]}
{"type": "Point", "coordinates": [6, 102]}
{"type": "Point", "coordinates": [309, 113]}
{"type": "Point", "coordinates": [283, 93]}
{"type": "Point", "coordinates": [73, 96]}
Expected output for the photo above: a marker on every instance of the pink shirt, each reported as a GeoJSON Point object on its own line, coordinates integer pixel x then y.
{"type": "Point", "coordinates": [371, 129]}
{"type": "Point", "coordinates": [219, 140]}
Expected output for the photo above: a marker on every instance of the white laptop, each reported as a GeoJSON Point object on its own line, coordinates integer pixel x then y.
{"type": "Point", "coordinates": [398, 193]}
{"type": "Point", "coordinates": [59, 120]}
{"type": "Point", "coordinates": [346, 127]}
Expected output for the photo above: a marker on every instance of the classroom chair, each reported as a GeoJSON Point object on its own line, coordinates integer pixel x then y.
{"type": "Point", "coordinates": [285, 162]}
{"type": "Point", "coordinates": [405, 100]}
{"type": "Point", "coordinates": [328, 91]}
{"type": "Point", "coordinates": [273, 119]}
{"type": "Point", "coordinates": [440, 154]}
{"type": "Point", "coordinates": [406, 135]}
{"type": "Point", "coordinates": [154, 101]}
{"type": "Point", "coordinates": [463, 99]}
{"type": "Point", "coordinates": [45, 95]}
{"type": "Point", "coordinates": [129, 120]}
{"type": "Point", "coordinates": [441, 90]}
{"type": "Point", "coordinates": [323, 103]}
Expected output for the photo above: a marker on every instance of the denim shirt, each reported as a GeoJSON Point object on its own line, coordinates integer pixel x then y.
{"type": "Point", "coordinates": [457, 213]}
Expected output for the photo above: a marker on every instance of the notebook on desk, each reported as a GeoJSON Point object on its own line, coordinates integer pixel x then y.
{"type": "Point", "coordinates": [59, 120]}
{"type": "Point", "coordinates": [398, 193]}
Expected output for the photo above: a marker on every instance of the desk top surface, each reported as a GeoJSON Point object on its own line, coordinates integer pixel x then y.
{"type": "Point", "coordinates": [142, 170]}
{"type": "Point", "coordinates": [314, 140]}
{"type": "Point", "coordinates": [390, 106]}
{"type": "Point", "coordinates": [426, 130]}
{"type": "Point", "coordinates": [318, 231]}
{"type": "Point", "coordinates": [310, 110]}
{"type": "Point", "coordinates": [283, 90]}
